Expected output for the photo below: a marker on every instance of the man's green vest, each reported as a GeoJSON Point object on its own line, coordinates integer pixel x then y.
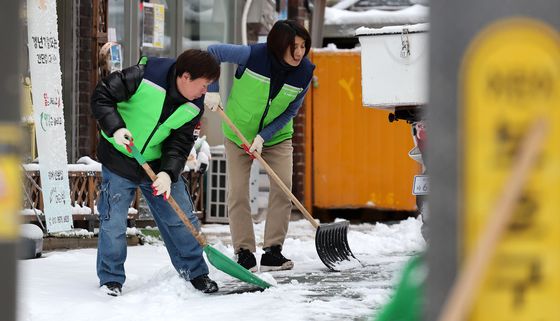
{"type": "Point", "coordinates": [141, 114]}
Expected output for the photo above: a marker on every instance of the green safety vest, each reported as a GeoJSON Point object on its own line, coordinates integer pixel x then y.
{"type": "Point", "coordinates": [141, 114]}
{"type": "Point", "coordinates": [247, 103]}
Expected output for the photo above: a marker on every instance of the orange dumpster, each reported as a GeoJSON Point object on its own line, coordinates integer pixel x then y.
{"type": "Point", "coordinates": [355, 158]}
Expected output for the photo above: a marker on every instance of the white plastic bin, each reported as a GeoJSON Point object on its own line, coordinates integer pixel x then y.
{"type": "Point", "coordinates": [394, 65]}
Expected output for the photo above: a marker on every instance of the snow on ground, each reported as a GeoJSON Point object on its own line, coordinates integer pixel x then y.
{"type": "Point", "coordinates": [63, 285]}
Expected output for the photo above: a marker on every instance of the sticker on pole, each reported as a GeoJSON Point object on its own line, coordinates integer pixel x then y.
{"type": "Point", "coordinates": [10, 196]}
{"type": "Point", "coordinates": [421, 185]}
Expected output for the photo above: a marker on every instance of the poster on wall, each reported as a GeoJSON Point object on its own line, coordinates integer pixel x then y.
{"type": "Point", "coordinates": [116, 57]}
{"type": "Point", "coordinates": [153, 30]}
{"type": "Point", "coordinates": [48, 116]}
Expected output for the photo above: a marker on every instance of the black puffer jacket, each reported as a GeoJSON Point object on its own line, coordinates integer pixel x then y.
{"type": "Point", "coordinates": [120, 86]}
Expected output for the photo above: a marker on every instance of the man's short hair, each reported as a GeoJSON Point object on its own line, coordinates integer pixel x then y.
{"type": "Point", "coordinates": [198, 63]}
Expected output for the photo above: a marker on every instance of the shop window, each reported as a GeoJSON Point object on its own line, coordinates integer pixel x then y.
{"type": "Point", "coordinates": [206, 22]}
{"type": "Point", "coordinates": [155, 32]}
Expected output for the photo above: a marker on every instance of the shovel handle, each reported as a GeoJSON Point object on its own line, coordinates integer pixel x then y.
{"type": "Point", "coordinates": [268, 169]}
{"type": "Point", "coordinates": [140, 159]}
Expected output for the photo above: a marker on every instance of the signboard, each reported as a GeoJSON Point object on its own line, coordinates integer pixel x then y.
{"type": "Point", "coordinates": [44, 63]}
{"type": "Point", "coordinates": [154, 25]}
{"type": "Point", "coordinates": [10, 181]}
{"type": "Point", "coordinates": [511, 77]}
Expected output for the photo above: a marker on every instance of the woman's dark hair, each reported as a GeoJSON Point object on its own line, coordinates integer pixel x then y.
{"type": "Point", "coordinates": [198, 64]}
{"type": "Point", "coordinates": [282, 36]}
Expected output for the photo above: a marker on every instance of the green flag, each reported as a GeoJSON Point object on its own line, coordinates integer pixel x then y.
{"type": "Point", "coordinates": [406, 303]}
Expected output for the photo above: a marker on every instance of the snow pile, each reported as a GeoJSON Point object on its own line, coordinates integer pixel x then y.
{"type": "Point", "coordinates": [131, 210]}
{"type": "Point", "coordinates": [81, 210]}
{"type": "Point", "coordinates": [79, 232]}
{"type": "Point", "coordinates": [413, 14]}
{"type": "Point", "coordinates": [85, 164]}
{"type": "Point", "coordinates": [419, 27]}
{"type": "Point", "coordinates": [30, 231]}
{"type": "Point", "coordinates": [30, 211]}
{"type": "Point", "coordinates": [132, 231]}
{"type": "Point", "coordinates": [331, 47]}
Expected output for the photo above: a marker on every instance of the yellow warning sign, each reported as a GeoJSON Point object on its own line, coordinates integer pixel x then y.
{"type": "Point", "coordinates": [10, 197]}
{"type": "Point", "coordinates": [510, 77]}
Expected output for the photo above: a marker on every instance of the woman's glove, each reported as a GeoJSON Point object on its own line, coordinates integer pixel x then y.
{"type": "Point", "coordinates": [212, 101]}
{"type": "Point", "coordinates": [257, 144]}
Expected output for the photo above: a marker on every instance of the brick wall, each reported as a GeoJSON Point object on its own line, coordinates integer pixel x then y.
{"type": "Point", "coordinates": [83, 76]}
{"type": "Point", "coordinates": [297, 11]}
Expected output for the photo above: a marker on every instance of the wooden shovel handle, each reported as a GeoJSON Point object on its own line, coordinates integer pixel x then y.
{"type": "Point", "coordinates": [268, 169]}
{"type": "Point", "coordinates": [461, 296]}
{"type": "Point", "coordinates": [197, 234]}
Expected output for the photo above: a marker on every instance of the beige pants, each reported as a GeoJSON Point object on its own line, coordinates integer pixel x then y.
{"type": "Point", "coordinates": [238, 169]}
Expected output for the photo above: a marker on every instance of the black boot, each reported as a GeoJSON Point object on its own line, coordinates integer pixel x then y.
{"type": "Point", "coordinates": [247, 260]}
{"type": "Point", "coordinates": [273, 260]}
{"type": "Point", "coordinates": [205, 284]}
{"type": "Point", "coordinates": [112, 288]}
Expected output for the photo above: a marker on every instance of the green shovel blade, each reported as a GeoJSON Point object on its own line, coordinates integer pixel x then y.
{"type": "Point", "coordinates": [227, 265]}
{"type": "Point", "coordinates": [217, 259]}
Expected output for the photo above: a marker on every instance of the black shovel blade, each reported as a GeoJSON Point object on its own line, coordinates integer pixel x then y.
{"type": "Point", "coordinates": [331, 242]}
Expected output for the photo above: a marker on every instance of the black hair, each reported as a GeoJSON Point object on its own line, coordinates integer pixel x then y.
{"type": "Point", "coordinates": [197, 63]}
{"type": "Point", "coordinates": [282, 36]}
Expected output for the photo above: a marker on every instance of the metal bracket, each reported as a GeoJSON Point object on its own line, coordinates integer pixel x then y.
{"type": "Point", "coordinates": [405, 44]}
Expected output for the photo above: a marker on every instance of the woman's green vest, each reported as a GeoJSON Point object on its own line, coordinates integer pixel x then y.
{"type": "Point", "coordinates": [246, 106]}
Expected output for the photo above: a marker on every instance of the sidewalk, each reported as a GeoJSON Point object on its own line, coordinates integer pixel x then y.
{"type": "Point", "coordinates": [308, 292]}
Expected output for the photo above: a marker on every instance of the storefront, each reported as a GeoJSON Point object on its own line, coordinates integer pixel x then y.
{"type": "Point", "coordinates": [167, 27]}
{"type": "Point", "coordinates": [162, 28]}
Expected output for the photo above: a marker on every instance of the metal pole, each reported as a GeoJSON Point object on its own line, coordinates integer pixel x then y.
{"type": "Point", "coordinates": [317, 24]}
{"type": "Point", "coordinates": [9, 141]}
{"type": "Point", "coordinates": [453, 26]}
{"type": "Point", "coordinates": [131, 28]}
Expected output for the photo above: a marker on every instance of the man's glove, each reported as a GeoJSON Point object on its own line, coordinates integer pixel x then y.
{"type": "Point", "coordinates": [203, 167]}
{"type": "Point", "coordinates": [202, 162]}
{"type": "Point", "coordinates": [122, 137]}
{"type": "Point", "coordinates": [191, 160]}
{"type": "Point", "coordinates": [162, 185]}
{"type": "Point", "coordinates": [257, 144]}
{"type": "Point", "coordinates": [212, 101]}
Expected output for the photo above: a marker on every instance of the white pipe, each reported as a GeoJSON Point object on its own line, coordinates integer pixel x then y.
{"type": "Point", "coordinates": [246, 8]}
{"type": "Point", "coordinates": [344, 4]}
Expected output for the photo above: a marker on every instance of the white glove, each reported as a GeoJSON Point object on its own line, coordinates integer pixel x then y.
{"type": "Point", "coordinates": [192, 163]}
{"type": "Point", "coordinates": [202, 165]}
{"type": "Point", "coordinates": [162, 185]}
{"type": "Point", "coordinates": [212, 101]}
{"type": "Point", "coordinates": [257, 144]}
{"type": "Point", "coordinates": [122, 137]}
{"type": "Point", "coordinates": [205, 147]}
{"type": "Point", "coordinates": [191, 160]}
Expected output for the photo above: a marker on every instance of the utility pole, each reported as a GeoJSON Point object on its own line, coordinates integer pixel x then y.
{"type": "Point", "coordinates": [10, 137]}
{"type": "Point", "coordinates": [317, 23]}
{"type": "Point", "coordinates": [494, 83]}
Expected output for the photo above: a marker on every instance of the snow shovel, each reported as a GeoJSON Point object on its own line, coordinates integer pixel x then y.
{"type": "Point", "coordinates": [331, 239]}
{"type": "Point", "coordinates": [216, 258]}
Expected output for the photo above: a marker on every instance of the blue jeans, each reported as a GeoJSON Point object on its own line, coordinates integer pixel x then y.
{"type": "Point", "coordinates": [116, 195]}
